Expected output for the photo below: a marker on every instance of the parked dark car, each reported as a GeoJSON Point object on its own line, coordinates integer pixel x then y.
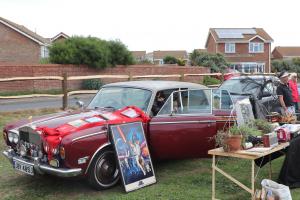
{"type": "Point", "coordinates": [77, 143]}
{"type": "Point", "coordinates": [260, 89]}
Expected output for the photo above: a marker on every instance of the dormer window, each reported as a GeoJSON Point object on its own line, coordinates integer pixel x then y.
{"type": "Point", "coordinates": [256, 47]}
{"type": "Point", "coordinates": [229, 47]}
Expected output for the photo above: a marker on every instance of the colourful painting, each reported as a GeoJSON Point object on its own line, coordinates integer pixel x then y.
{"type": "Point", "coordinates": [133, 155]}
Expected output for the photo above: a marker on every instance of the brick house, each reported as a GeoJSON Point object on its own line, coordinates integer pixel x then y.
{"type": "Point", "coordinates": [246, 49]}
{"type": "Point", "coordinates": [157, 57]}
{"type": "Point", "coordinates": [139, 55]}
{"type": "Point", "coordinates": [18, 44]}
{"type": "Point", "coordinates": [286, 53]}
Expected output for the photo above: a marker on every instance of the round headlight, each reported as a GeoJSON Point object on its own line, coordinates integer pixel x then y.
{"type": "Point", "coordinates": [15, 138]}
{"type": "Point", "coordinates": [10, 136]}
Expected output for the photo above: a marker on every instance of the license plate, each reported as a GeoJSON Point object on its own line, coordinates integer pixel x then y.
{"type": "Point", "coordinates": [23, 167]}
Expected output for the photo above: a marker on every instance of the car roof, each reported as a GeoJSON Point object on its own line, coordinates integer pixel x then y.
{"type": "Point", "coordinates": [156, 85]}
{"type": "Point", "coordinates": [255, 77]}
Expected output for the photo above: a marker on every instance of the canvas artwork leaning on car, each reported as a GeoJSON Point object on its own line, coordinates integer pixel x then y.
{"type": "Point", "coordinates": [77, 143]}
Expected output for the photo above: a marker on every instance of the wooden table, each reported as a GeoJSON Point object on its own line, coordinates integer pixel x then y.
{"type": "Point", "coordinates": [242, 154]}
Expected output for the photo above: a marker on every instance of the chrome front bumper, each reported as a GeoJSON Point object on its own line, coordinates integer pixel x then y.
{"type": "Point", "coordinates": [42, 168]}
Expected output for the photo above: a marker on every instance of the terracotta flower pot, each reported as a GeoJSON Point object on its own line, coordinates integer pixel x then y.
{"type": "Point", "coordinates": [233, 143]}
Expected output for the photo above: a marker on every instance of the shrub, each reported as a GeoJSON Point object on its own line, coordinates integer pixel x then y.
{"type": "Point", "coordinates": [216, 62]}
{"type": "Point", "coordinates": [118, 54]}
{"type": "Point", "coordinates": [91, 84]}
{"type": "Point", "coordinates": [207, 80]}
{"type": "Point", "coordinates": [181, 62]}
{"type": "Point", "coordinates": [90, 51]}
{"type": "Point", "coordinates": [170, 60]}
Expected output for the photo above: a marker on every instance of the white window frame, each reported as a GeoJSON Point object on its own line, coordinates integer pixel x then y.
{"type": "Point", "coordinates": [259, 45]}
{"type": "Point", "coordinates": [44, 52]}
{"type": "Point", "coordinates": [229, 47]}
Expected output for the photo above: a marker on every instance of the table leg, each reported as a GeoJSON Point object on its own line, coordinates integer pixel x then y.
{"type": "Point", "coordinates": [270, 168]}
{"type": "Point", "coordinates": [252, 178]}
{"type": "Point", "coordinates": [213, 177]}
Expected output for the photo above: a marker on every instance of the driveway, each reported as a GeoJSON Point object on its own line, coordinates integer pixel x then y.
{"type": "Point", "coordinates": [10, 105]}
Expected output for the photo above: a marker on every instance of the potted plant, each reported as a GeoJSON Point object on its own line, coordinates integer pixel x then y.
{"type": "Point", "coordinates": [230, 140]}
{"type": "Point", "coordinates": [233, 138]}
{"type": "Point", "coordinates": [262, 125]}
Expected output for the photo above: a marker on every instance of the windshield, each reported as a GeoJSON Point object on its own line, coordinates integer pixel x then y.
{"type": "Point", "coordinates": [241, 86]}
{"type": "Point", "coordinates": [119, 97]}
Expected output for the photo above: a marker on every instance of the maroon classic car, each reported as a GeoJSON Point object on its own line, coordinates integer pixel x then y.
{"type": "Point", "coordinates": [179, 120]}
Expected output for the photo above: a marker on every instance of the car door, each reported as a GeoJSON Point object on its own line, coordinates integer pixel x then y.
{"type": "Point", "coordinates": [184, 127]}
{"type": "Point", "coordinates": [223, 109]}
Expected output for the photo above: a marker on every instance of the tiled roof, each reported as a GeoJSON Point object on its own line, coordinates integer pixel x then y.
{"type": "Point", "coordinates": [288, 51]}
{"type": "Point", "coordinates": [138, 54]}
{"type": "Point", "coordinates": [25, 31]}
{"type": "Point", "coordinates": [177, 54]}
{"type": "Point", "coordinates": [239, 34]}
{"type": "Point", "coordinates": [61, 34]}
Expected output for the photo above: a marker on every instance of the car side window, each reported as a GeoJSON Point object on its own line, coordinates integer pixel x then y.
{"type": "Point", "coordinates": [188, 102]}
{"type": "Point", "coordinates": [160, 100]}
{"type": "Point", "coordinates": [221, 99]}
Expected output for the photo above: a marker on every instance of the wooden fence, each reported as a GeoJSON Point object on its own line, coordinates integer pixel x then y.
{"type": "Point", "coordinates": [66, 78]}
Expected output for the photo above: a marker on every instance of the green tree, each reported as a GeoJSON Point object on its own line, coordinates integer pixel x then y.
{"type": "Point", "coordinates": [119, 54]}
{"type": "Point", "coordinates": [216, 62]}
{"type": "Point", "coordinates": [170, 60]}
{"type": "Point", "coordinates": [90, 51]}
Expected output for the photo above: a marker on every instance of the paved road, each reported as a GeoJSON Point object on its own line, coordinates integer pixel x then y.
{"type": "Point", "coordinates": [40, 102]}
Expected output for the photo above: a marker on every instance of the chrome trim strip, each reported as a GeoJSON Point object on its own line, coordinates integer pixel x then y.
{"type": "Point", "coordinates": [226, 120]}
{"type": "Point", "coordinates": [42, 168]}
{"type": "Point", "coordinates": [89, 135]}
{"type": "Point", "coordinates": [99, 149]}
{"type": "Point", "coordinates": [184, 122]}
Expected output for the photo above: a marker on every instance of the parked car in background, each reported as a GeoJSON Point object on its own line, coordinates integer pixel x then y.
{"type": "Point", "coordinates": [77, 143]}
{"type": "Point", "coordinates": [260, 89]}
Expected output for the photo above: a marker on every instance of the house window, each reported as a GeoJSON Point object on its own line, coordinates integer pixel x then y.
{"type": "Point", "coordinates": [44, 52]}
{"type": "Point", "coordinates": [255, 47]}
{"type": "Point", "coordinates": [249, 67]}
{"type": "Point", "coordinates": [229, 47]}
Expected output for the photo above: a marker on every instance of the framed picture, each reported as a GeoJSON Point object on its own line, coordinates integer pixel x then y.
{"type": "Point", "coordinates": [244, 112]}
{"type": "Point", "coordinates": [133, 155]}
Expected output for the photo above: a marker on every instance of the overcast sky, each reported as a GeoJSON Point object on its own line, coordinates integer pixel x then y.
{"type": "Point", "coordinates": [156, 24]}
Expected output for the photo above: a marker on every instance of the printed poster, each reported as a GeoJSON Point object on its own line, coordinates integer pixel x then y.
{"type": "Point", "coordinates": [133, 155]}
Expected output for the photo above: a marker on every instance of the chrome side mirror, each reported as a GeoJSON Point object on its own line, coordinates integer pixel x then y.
{"type": "Point", "coordinates": [80, 104]}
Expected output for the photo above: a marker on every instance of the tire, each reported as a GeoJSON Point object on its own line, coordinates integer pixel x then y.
{"type": "Point", "coordinates": [104, 171]}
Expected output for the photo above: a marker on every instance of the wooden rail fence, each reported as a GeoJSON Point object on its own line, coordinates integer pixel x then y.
{"type": "Point", "coordinates": [66, 78]}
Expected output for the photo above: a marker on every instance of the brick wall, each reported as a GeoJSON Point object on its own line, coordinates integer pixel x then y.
{"type": "Point", "coordinates": [71, 70]}
{"type": "Point", "coordinates": [16, 48]}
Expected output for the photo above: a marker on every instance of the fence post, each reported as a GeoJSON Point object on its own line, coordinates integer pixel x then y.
{"type": "Point", "coordinates": [65, 91]}
{"type": "Point", "coordinates": [181, 78]}
{"type": "Point", "coordinates": [129, 77]}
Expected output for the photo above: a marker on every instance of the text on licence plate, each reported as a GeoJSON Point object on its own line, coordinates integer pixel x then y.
{"type": "Point", "coordinates": [23, 167]}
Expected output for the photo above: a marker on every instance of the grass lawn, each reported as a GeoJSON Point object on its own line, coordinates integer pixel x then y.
{"type": "Point", "coordinates": [185, 179]}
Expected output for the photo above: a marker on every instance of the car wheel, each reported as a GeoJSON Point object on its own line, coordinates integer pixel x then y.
{"type": "Point", "coordinates": [104, 171]}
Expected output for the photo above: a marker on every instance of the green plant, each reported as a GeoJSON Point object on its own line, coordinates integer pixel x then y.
{"type": "Point", "coordinates": [208, 80]}
{"type": "Point", "coordinates": [170, 60]}
{"type": "Point", "coordinates": [181, 62]}
{"type": "Point", "coordinates": [216, 62]}
{"type": "Point", "coordinates": [91, 84]}
{"type": "Point", "coordinates": [262, 125]}
{"type": "Point", "coordinates": [90, 51]}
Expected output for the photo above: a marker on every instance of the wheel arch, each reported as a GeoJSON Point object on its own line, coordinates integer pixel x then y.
{"type": "Point", "coordinates": [97, 152]}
